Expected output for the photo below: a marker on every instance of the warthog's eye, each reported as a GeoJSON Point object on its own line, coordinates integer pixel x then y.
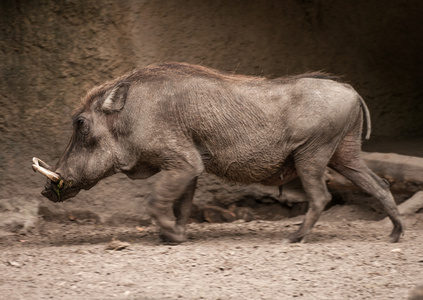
{"type": "Point", "coordinates": [82, 126]}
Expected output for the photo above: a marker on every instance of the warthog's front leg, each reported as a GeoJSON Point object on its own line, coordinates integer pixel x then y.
{"type": "Point", "coordinates": [170, 203]}
{"type": "Point", "coordinates": [182, 206]}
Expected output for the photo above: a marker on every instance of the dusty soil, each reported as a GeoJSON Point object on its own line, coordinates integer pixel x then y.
{"type": "Point", "coordinates": [346, 257]}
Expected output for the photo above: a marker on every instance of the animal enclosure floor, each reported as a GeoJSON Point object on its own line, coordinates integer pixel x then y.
{"type": "Point", "coordinates": [342, 259]}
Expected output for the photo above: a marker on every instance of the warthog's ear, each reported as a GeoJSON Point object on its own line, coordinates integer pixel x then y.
{"type": "Point", "coordinates": [116, 99]}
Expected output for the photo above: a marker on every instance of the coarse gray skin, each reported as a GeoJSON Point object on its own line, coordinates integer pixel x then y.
{"type": "Point", "coordinates": [178, 120]}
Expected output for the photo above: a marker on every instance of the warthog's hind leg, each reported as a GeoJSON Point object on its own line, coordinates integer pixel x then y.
{"type": "Point", "coordinates": [348, 162]}
{"type": "Point", "coordinates": [311, 172]}
{"type": "Point", "coordinates": [359, 174]}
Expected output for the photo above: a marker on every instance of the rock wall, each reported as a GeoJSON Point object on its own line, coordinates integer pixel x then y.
{"type": "Point", "coordinates": [53, 52]}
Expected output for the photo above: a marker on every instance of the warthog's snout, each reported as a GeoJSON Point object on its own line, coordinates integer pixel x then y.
{"type": "Point", "coordinates": [56, 189]}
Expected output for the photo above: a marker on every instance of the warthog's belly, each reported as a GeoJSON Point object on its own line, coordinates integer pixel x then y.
{"type": "Point", "coordinates": [255, 170]}
{"type": "Point", "coordinates": [284, 175]}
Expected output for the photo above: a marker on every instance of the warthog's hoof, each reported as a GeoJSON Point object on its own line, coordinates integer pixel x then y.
{"type": "Point", "coordinates": [394, 237]}
{"type": "Point", "coordinates": [397, 233]}
{"type": "Point", "coordinates": [172, 238]}
{"type": "Point", "coordinates": [294, 238]}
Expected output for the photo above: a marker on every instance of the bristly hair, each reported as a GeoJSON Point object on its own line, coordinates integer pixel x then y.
{"type": "Point", "coordinates": [161, 70]}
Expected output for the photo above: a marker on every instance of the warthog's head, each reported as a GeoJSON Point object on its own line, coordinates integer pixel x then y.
{"type": "Point", "coordinates": [92, 153]}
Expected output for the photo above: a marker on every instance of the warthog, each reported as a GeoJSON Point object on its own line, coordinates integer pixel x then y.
{"type": "Point", "coordinates": [178, 120]}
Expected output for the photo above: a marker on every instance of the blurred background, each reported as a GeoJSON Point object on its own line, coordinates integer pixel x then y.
{"type": "Point", "coordinates": [53, 52]}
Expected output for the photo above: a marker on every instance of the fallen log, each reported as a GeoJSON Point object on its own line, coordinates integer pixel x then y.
{"type": "Point", "coordinates": [216, 214]}
{"type": "Point", "coordinates": [404, 173]}
{"type": "Point", "coordinates": [412, 205]}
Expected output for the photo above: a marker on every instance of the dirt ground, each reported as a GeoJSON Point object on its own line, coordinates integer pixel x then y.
{"type": "Point", "coordinates": [347, 256]}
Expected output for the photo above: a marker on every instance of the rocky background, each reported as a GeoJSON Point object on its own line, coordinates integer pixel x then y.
{"type": "Point", "coordinates": [53, 52]}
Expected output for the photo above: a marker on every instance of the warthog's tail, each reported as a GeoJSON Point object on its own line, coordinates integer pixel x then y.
{"type": "Point", "coordinates": [367, 116]}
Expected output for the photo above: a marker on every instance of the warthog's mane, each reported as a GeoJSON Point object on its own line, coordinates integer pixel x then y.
{"type": "Point", "coordinates": [177, 70]}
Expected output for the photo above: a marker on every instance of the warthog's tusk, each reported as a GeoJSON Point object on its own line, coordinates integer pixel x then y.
{"type": "Point", "coordinates": [43, 164]}
{"type": "Point", "coordinates": [47, 173]}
